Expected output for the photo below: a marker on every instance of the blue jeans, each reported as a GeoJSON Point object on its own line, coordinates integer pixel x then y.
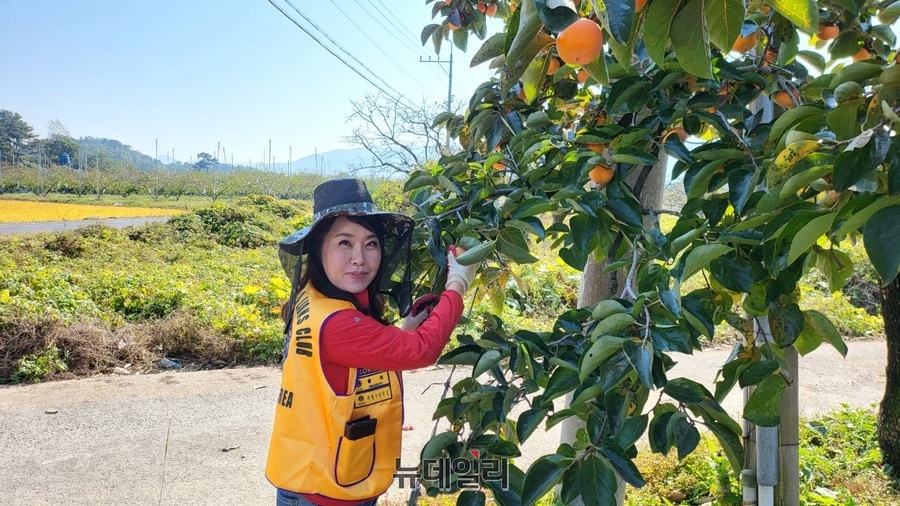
{"type": "Point", "coordinates": [285, 498]}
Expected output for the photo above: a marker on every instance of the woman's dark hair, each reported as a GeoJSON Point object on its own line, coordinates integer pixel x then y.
{"type": "Point", "coordinates": [315, 272]}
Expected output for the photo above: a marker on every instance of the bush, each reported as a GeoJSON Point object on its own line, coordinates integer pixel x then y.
{"type": "Point", "coordinates": [152, 233]}
{"type": "Point", "coordinates": [66, 244]}
{"type": "Point", "coordinates": [35, 367]}
{"type": "Point", "coordinates": [840, 464]}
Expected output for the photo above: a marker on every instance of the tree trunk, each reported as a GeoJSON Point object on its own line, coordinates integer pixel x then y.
{"type": "Point", "coordinates": [595, 287]}
{"type": "Point", "coordinates": [889, 413]}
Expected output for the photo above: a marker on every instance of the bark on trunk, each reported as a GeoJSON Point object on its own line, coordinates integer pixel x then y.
{"type": "Point", "coordinates": [889, 413]}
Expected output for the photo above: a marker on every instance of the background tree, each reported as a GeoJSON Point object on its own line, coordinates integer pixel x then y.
{"type": "Point", "coordinates": [62, 145]}
{"type": "Point", "coordinates": [16, 136]}
{"type": "Point", "coordinates": [205, 161]}
{"type": "Point", "coordinates": [56, 128]}
{"type": "Point", "coordinates": [767, 199]}
{"type": "Point", "coordinates": [398, 136]}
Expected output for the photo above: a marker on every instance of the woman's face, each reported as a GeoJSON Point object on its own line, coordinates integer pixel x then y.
{"type": "Point", "coordinates": [351, 255]}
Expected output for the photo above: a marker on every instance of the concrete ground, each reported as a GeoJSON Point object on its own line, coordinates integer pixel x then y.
{"type": "Point", "coordinates": [199, 438]}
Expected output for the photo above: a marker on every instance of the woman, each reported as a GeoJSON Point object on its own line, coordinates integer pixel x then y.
{"type": "Point", "coordinates": [339, 414]}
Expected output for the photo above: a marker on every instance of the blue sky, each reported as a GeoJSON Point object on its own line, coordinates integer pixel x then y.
{"type": "Point", "coordinates": [194, 73]}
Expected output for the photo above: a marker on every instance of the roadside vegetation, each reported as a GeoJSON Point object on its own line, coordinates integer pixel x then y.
{"type": "Point", "coordinates": [205, 290]}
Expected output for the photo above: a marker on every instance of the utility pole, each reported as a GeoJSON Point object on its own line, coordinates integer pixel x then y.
{"type": "Point", "coordinates": [156, 164]}
{"type": "Point", "coordinates": [270, 155]}
{"type": "Point", "coordinates": [449, 87]}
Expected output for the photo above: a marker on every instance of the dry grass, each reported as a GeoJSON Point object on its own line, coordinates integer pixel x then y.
{"type": "Point", "coordinates": [92, 347]}
{"type": "Point", "coordinates": [26, 211]}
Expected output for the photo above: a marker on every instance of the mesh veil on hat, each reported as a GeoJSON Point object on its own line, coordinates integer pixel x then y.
{"type": "Point", "coordinates": [350, 197]}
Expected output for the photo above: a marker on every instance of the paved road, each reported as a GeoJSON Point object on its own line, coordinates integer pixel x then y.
{"type": "Point", "coordinates": [59, 226]}
{"type": "Point", "coordinates": [201, 438]}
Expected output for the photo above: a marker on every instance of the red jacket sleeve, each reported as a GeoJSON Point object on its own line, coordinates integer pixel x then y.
{"type": "Point", "coordinates": [352, 339]}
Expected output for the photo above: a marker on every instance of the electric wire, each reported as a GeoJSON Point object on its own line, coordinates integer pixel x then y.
{"type": "Point", "coordinates": [363, 65]}
{"type": "Point", "coordinates": [375, 44]}
{"type": "Point", "coordinates": [388, 30]}
{"type": "Point", "coordinates": [399, 24]}
{"type": "Point", "coordinates": [319, 42]}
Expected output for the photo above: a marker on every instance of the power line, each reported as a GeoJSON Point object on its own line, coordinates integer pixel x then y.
{"type": "Point", "coordinates": [351, 67]}
{"type": "Point", "coordinates": [391, 32]}
{"type": "Point", "coordinates": [363, 65]}
{"type": "Point", "coordinates": [364, 34]}
{"type": "Point", "coordinates": [399, 25]}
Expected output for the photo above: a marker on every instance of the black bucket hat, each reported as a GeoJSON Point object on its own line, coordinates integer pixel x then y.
{"type": "Point", "coordinates": [350, 197]}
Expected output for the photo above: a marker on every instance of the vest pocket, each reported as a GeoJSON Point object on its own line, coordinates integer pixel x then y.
{"type": "Point", "coordinates": [355, 460]}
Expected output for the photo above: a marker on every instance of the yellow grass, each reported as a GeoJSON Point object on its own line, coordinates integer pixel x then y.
{"type": "Point", "coordinates": [24, 211]}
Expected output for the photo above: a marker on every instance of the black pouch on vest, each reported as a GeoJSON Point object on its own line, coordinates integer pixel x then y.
{"type": "Point", "coordinates": [360, 428]}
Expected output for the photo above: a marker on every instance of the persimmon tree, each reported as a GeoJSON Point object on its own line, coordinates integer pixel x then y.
{"type": "Point", "coordinates": [767, 200]}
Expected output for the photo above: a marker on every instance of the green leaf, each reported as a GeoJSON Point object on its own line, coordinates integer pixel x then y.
{"type": "Point", "coordinates": [529, 224]}
{"type": "Point", "coordinates": [757, 371]}
{"type": "Point", "coordinates": [640, 356]}
{"type": "Point", "coordinates": [561, 382]}
{"type": "Point", "coordinates": [507, 496]}
{"type": "Point", "coordinates": [762, 406]}
{"type": "Point", "coordinates": [492, 48]}
{"type": "Point", "coordinates": [691, 41]}
{"type": "Point", "coordinates": [808, 235]}
{"type": "Point", "coordinates": [819, 325]}
{"type": "Point", "coordinates": [488, 359]}
{"type": "Point", "coordinates": [861, 216]}
{"type": "Point", "coordinates": [437, 444]}
{"type": "Point", "coordinates": [599, 351]}
{"type": "Point", "coordinates": [620, 18]}
{"type": "Point", "coordinates": [882, 241]}
{"type": "Point", "coordinates": [477, 254]}
{"type": "Point", "coordinates": [685, 435]}
{"type": "Point", "coordinates": [464, 355]}
{"type": "Point", "coordinates": [428, 31]}
{"type": "Point", "coordinates": [725, 19]}
{"type": "Point", "coordinates": [529, 25]}
{"type": "Point", "coordinates": [557, 15]}
{"type": "Point", "coordinates": [843, 120]}
{"type": "Point", "coordinates": [740, 187]}
{"type": "Point", "coordinates": [633, 154]}
{"type": "Point", "coordinates": [543, 474]}
{"type": "Point", "coordinates": [597, 482]}
{"type": "Point", "coordinates": [853, 165]}
{"type": "Point", "coordinates": [471, 498]}
{"type": "Point", "coordinates": [606, 308]}
{"type": "Point", "coordinates": [686, 391]}
{"type": "Point", "coordinates": [632, 430]}
{"type": "Point", "coordinates": [790, 118]}
{"type": "Point", "coordinates": [597, 70]}
{"type": "Point", "coordinates": [802, 13]}
{"type": "Point", "coordinates": [699, 257]}
{"type": "Point", "coordinates": [529, 420]}
{"type": "Point", "coordinates": [613, 324]}
{"type": "Point", "coordinates": [734, 274]}
{"type": "Point", "coordinates": [512, 243]}
{"type": "Point", "coordinates": [786, 322]}
{"type": "Point", "coordinates": [731, 445]}
{"type": "Point", "coordinates": [660, 14]}
{"type": "Point", "coordinates": [622, 464]}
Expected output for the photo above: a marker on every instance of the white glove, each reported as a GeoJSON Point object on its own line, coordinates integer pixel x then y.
{"type": "Point", "coordinates": [412, 322]}
{"type": "Point", "coordinates": [463, 275]}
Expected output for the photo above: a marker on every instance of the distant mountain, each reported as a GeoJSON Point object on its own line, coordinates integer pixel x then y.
{"type": "Point", "coordinates": [329, 162]}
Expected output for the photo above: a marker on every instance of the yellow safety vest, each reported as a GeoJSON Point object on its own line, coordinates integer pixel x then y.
{"type": "Point", "coordinates": [322, 442]}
